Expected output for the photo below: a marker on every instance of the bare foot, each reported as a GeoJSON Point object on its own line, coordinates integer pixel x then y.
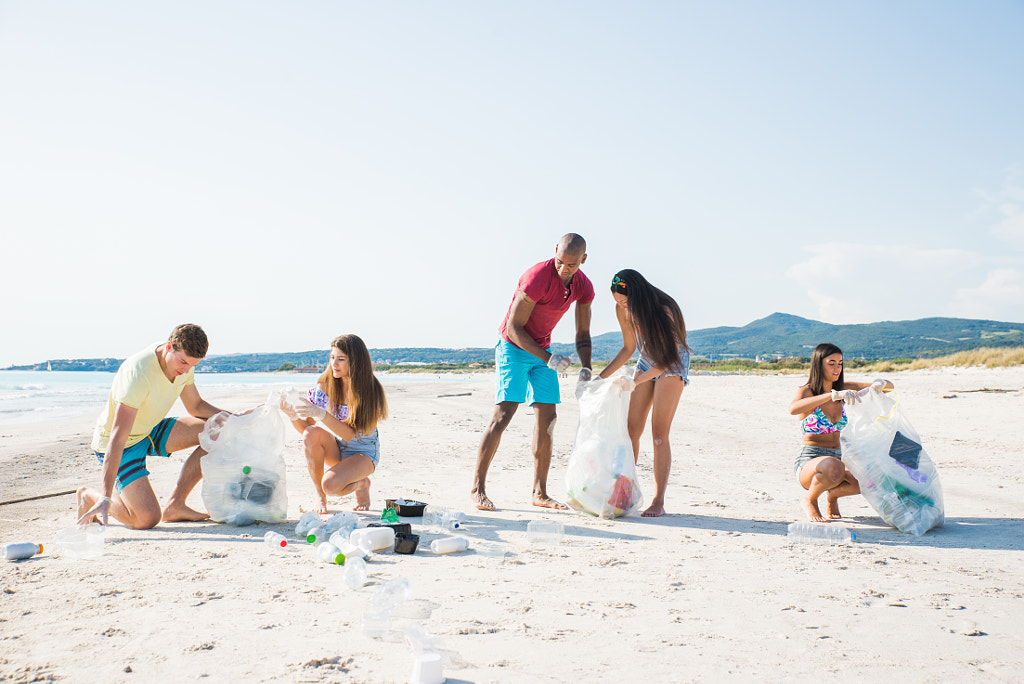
{"type": "Point", "coordinates": [811, 508]}
{"type": "Point", "coordinates": [481, 501]}
{"type": "Point", "coordinates": [183, 513]}
{"type": "Point", "coordinates": [362, 495]}
{"type": "Point", "coordinates": [655, 510]}
{"type": "Point", "coordinates": [83, 506]}
{"type": "Point", "coordinates": [320, 508]}
{"type": "Point", "coordinates": [548, 502]}
{"type": "Point", "coordinates": [833, 509]}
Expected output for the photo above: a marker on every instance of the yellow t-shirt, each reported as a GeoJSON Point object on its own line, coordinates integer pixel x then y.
{"type": "Point", "coordinates": [141, 384]}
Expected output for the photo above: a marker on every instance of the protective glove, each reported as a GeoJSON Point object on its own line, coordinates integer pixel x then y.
{"type": "Point", "coordinates": [581, 383]}
{"type": "Point", "coordinates": [848, 397]}
{"type": "Point", "coordinates": [558, 363]}
{"type": "Point", "coordinates": [625, 384]}
{"type": "Point", "coordinates": [307, 409]}
{"type": "Point", "coordinates": [878, 386]}
{"type": "Point", "coordinates": [585, 374]}
{"type": "Point", "coordinates": [101, 508]}
{"type": "Point", "coordinates": [286, 409]}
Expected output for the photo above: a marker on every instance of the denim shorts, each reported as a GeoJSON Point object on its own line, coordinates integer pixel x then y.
{"type": "Point", "coordinates": [133, 458]}
{"type": "Point", "coordinates": [808, 453]}
{"type": "Point", "coordinates": [644, 364]}
{"type": "Point", "coordinates": [368, 445]}
{"type": "Point", "coordinates": [521, 377]}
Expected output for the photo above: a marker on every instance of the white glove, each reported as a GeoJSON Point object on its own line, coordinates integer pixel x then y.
{"type": "Point", "coordinates": [102, 509]}
{"type": "Point", "coordinates": [878, 386]}
{"type": "Point", "coordinates": [625, 384]}
{"type": "Point", "coordinates": [307, 409]}
{"type": "Point", "coordinates": [286, 409]}
{"type": "Point", "coordinates": [585, 375]}
{"type": "Point", "coordinates": [848, 397]}
{"type": "Point", "coordinates": [558, 363]}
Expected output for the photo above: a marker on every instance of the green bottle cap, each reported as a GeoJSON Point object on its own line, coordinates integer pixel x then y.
{"type": "Point", "coordinates": [246, 469]}
{"type": "Point", "coordinates": [311, 537]}
{"type": "Point", "coordinates": [339, 559]}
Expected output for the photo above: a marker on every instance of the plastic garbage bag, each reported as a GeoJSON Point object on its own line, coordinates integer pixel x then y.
{"type": "Point", "coordinates": [244, 469]}
{"type": "Point", "coordinates": [601, 475]}
{"type": "Point", "coordinates": [886, 455]}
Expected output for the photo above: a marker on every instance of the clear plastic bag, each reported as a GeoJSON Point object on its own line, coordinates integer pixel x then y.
{"type": "Point", "coordinates": [601, 475]}
{"type": "Point", "coordinates": [244, 469]}
{"type": "Point", "coordinates": [884, 452]}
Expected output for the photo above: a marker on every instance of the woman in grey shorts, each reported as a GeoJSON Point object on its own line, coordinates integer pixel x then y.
{"type": "Point", "coordinates": [348, 401]}
{"type": "Point", "coordinates": [651, 321]}
{"type": "Point", "coordinates": [821, 407]}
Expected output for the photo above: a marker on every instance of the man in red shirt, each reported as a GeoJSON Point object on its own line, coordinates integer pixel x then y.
{"type": "Point", "coordinates": [525, 369]}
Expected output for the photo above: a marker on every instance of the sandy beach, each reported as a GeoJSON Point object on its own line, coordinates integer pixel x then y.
{"type": "Point", "coordinates": [712, 591]}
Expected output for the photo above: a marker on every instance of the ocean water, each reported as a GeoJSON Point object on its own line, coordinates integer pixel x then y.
{"type": "Point", "coordinates": [35, 396]}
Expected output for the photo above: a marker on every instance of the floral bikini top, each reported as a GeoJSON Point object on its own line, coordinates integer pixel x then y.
{"type": "Point", "coordinates": [818, 423]}
{"type": "Point", "coordinates": [318, 397]}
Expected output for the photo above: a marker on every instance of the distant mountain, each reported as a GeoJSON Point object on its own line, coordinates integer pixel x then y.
{"type": "Point", "coordinates": [781, 335]}
{"type": "Point", "coordinates": [791, 336]}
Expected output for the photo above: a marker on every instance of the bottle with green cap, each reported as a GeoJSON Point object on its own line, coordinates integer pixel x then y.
{"type": "Point", "coordinates": [329, 553]}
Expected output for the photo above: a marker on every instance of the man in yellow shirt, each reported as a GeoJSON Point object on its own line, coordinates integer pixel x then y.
{"type": "Point", "coordinates": [134, 425]}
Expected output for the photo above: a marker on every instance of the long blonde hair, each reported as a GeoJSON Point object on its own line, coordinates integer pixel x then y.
{"type": "Point", "coordinates": [367, 404]}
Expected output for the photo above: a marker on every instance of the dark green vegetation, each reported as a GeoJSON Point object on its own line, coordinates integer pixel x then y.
{"type": "Point", "coordinates": [784, 341]}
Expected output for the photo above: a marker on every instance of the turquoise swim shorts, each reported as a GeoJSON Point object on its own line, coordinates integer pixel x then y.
{"type": "Point", "coordinates": [133, 459]}
{"type": "Point", "coordinates": [521, 377]}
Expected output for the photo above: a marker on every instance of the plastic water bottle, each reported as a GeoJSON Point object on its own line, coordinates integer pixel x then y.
{"type": "Point", "coordinates": [20, 550]}
{"type": "Point", "coordinates": [307, 521]}
{"type": "Point", "coordinates": [317, 534]}
{"type": "Point", "coordinates": [373, 538]}
{"type": "Point", "coordinates": [329, 553]}
{"type": "Point", "coordinates": [393, 593]}
{"type": "Point", "coordinates": [341, 521]}
{"type": "Point", "coordinates": [544, 532]}
{"type": "Point", "coordinates": [442, 518]}
{"type": "Point", "coordinates": [339, 538]}
{"type": "Point", "coordinates": [806, 532]}
{"type": "Point", "coordinates": [275, 540]}
{"type": "Point", "coordinates": [355, 572]}
{"type": "Point", "coordinates": [449, 545]}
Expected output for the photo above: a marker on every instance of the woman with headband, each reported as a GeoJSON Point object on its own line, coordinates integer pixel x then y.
{"type": "Point", "coordinates": [651, 321]}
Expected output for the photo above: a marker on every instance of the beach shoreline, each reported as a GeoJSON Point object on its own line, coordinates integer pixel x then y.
{"type": "Point", "coordinates": [713, 590]}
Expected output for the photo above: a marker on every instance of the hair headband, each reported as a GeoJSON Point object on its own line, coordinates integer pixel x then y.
{"type": "Point", "coordinates": [619, 285]}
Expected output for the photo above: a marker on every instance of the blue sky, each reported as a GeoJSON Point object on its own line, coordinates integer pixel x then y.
{"type": "Point", "coordinates": [282, 173]}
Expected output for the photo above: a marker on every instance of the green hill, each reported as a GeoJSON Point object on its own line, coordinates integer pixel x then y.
{"type": "Point", "coordinates": [777, 335]}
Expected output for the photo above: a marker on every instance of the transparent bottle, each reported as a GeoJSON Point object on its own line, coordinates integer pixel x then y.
{"type": "Point", "coordinates": [329, 553]}
{"type": "Point", "coordinates": [355, 572]}
{"type": "Point", "coordinates": [20, 550]}
{"type": "Point", "coordinates": [443, 518]}
{"type": "Point", "coordinates": [449, 545]}
{"type": "Point", "coordinates": [544, 532]}
{"type": "Point", "coordinates": [341, 521]}
{"type": "Point", "coordinates": [806, 532]}
{"type": "Point", "coordinates": [393, 593]}
{"type": "Point", "coordinates": [307, 521]}
{"type": "Point", "coordinates": [275, 540]}
{"type": "Point", "coordinates": [317, 534]}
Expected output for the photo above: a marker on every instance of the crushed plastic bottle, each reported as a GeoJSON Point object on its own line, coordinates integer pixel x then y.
{"type": "Point", "coordinates": [355, 572]}
{"type": "Point", "coordinates": [544, 532]}
{"type": "Point", "coordinates": [307, 521]}
{"type": "Point", "coordinates": [395, 592]}
{"type": "Point", "coordinates": [20, 550]}
{"type": "Point", "coordinates": [341, 522]}
{"type": "Point", "coordinates": [805, 532]}
{"type": "Point", "coordinates": [389, 515]}
{"type": "Point", "coordinates": [275, 540]}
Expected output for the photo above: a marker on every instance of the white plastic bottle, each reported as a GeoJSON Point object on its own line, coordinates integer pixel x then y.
{"type": "Point", "coordinates": [355, 572]}
{"type": "Point", "coordinates": [329, 553]}
{"type": "Point", "coordinates": [317, 534]}
{"type": "Point", "coordinates": [373, 538]}
{"type": "Point", "coordinates": [544, 532]}
{"type": "Point", "coordinates": [805, 532]}
{"type": "Point", "coordinates": [449, 545]}
{"type": "Point", "coordinates": [20, 550]}
{"type": "Point", "coordinates": [275, 540]}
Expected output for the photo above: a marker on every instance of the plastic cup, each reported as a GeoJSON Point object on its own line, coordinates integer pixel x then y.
{"type": "Point", "coordinates": [81, 542]}
{"type": "Point", "coordinates": [428, 668]}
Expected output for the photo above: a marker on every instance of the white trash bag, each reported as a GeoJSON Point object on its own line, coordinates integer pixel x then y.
{"type": "Point", "coordinates": [896, 476]}
{"type": "Point", "coordinates": [601, 475]}
{"type": "Point", "coordinates": [244, 469]}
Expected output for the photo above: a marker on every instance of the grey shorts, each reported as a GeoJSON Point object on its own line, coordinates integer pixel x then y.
{"type": "Point", "coordinates": [808, 453]}
{"type": "Point", "coordinates": [368, 444]}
